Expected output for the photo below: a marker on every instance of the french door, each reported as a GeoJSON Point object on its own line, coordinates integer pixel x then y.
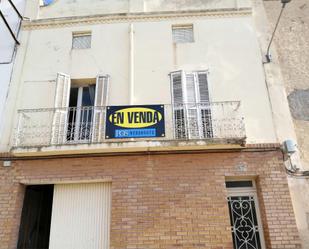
{"type": "Point", "coordinates": [191, 105]}
{"type": "Point", "coordinates": [80, 113]}
{"type": "Point", "coordinates": [79, 110]}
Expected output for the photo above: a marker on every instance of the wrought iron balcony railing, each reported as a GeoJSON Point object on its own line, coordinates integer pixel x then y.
{"type": "Point", "coordinates": [65, 126]}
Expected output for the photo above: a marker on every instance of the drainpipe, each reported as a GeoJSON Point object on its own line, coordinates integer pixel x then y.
{"type": "Point", "coordinates": [131, 99]}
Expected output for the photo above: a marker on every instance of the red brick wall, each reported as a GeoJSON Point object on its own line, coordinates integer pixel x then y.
{"type": "Point", "coordinates": [163, 201]}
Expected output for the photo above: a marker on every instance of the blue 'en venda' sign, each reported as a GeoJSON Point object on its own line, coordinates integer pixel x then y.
{"type": "Point", "coordinates": [135, 121]}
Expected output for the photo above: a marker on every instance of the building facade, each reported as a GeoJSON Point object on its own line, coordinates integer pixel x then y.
{"type": "Point", "coordinates": [292, 47]}
{"type": "Point", "coordinates": [145, 124]}
{"type": "Point", "coordinates": [8, 49]}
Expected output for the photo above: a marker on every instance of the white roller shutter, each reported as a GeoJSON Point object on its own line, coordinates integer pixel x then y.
{"type": "Point", "coordinates": [81, 216]}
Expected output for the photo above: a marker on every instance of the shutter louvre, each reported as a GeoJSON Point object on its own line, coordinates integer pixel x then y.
{"type": "Point", "coordinates": [205, 110]}
{"type": "Point", "coordinates": [178, 105]}
{"type": "Point", "coordinates": [177, 88]}
{"type": "Point", "coordinates": [203, 88]}
{"type": "Point", "coordinates": [183, 34]}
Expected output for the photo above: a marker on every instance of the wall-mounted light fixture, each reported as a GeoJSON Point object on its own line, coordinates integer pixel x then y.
{"type": "Point", "coordinates": [268, 55]}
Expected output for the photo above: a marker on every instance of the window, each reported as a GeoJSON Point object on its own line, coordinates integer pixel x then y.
{"type": "Point", "coordinates": [80, 112]}
{"type": "Point", "coordinates": [245, 218]}
{"type": "Point", "coordinates": [81, 40]}
{"type": "Point", "coordinates": [79, 109]}
{"type": "Point", "coordinates": [183, 34]}
{"type": "Point", "coordinates": [191, 106]}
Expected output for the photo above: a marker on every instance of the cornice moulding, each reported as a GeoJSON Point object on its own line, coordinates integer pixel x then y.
{"type": "Point", "coordinates": [131, 17]}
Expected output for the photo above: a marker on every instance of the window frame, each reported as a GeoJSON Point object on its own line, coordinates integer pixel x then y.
{"type": "Point", "coordinates": [61, 106]}
{"type": "Point", "coordinates": [79, 113]}
{"type": "Point", "coordinates": [81, 34]}
{"type": "Point", "coordinates": [176, 27]}
{"type": "Point", "coordinates": [185, 104]}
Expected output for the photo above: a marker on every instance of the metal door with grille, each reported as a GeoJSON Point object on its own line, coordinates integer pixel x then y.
{"type": "Point", "coordinates": [245, 219]}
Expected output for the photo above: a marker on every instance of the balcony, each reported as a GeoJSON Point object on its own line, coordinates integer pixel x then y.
{"type": "Point", "coordinates": [217, 122]}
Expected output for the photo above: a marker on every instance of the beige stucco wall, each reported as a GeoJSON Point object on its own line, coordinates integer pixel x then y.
{"type": "Point", "coordinates": [227, 47]}
{"type": "Point", "coordinates": [292, 43]}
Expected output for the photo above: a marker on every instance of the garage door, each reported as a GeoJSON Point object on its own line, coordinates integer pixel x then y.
{"type": "Point", "coordinates": [80, 216]}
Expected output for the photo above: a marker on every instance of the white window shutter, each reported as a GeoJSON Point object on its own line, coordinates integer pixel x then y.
{"type": "Point", "coordinates": [63, 86]}
{"type": "Point", "coordinates": [100, 102]}
{"type": "Point", "coordinates": [101, 90]}
{"type": "Point", "coordinates": [177, 88]}
{"type": "Point", "coordinates": [62, 98]}
{"type": "Point", "coordinates": [178, 105]}
{"type": "Point", "coordinates": [203, 87]}
{"type": "Point", "coordinates": [205, 108]}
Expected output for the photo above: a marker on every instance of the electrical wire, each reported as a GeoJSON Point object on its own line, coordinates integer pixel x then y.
{"type": "Point", "coordinates": [294, 171]}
